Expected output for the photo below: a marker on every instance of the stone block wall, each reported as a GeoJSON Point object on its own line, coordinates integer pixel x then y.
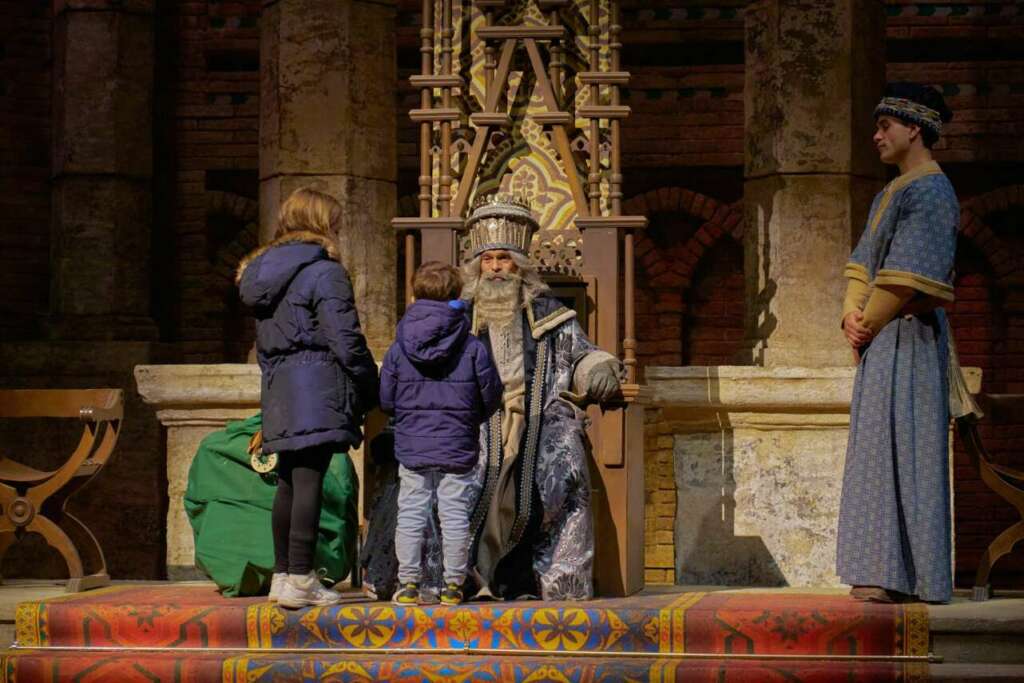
{"type": "Point", "coordinates": [25, 119]}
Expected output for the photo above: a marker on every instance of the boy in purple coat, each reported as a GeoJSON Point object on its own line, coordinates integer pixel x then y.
{"type": "Point", "coordinates": [440, 383]}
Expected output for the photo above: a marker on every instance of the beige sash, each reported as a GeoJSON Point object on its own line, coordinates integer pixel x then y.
{"type": "Point", "coordinates": [961, 403]}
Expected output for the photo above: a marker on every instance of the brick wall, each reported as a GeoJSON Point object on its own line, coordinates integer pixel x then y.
{"type": "Point", "coordinates": [684, 116]}
{"type": "Point", "coordinates": [207, 171]}
{"type": "Point", "coordinates": [25, 73]}
{"type": "Point", "coordinates": [973, 52]}
{"type": "Point", "coordinates": [988, 322]}
{"type": "Point", "coordinates": [659, 501]}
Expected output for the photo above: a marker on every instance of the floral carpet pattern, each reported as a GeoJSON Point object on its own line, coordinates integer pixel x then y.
{"type": "Point", "coordinates": [489, 641]}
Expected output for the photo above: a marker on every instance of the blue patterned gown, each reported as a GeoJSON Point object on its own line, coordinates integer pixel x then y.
{"type": "Point", "coordinates": [894, 518]}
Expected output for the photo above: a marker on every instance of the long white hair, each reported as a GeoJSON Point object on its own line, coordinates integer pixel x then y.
{"type": "Point", "coordinates": [533, 285]}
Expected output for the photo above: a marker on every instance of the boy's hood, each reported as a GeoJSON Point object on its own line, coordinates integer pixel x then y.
{"type": "Point", "coordinates": [430, 332]}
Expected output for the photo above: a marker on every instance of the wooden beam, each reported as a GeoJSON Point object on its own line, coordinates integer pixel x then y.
{"type": "Point", "coordinates": [476, 152]}
{"type": "Point", "coordinates": [521, 32]}
{"type": "Point", "coordinates": [559, 132]}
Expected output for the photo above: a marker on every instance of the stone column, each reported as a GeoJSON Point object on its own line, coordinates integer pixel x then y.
{"type": "Point", "coordinates": [814, 72]}
{"type": "Point", "coordinates": [102, 169]}
{"type": "Point", "coordinates": [327, 119]}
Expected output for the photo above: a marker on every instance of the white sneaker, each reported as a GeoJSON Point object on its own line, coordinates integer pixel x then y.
{"type": "Point", "coordinates": [305, 590]}
{"type": "Point", "coordinates": [276, 584]}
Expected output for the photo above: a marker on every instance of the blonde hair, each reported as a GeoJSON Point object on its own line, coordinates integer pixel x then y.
{"type": "Point", "coordinates": [309, 210]}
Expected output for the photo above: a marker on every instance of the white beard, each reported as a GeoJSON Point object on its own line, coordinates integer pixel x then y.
{"type": "Point", "coordinates": [498, 307]}
{"type": "Point", "coordinates": [497, 300]}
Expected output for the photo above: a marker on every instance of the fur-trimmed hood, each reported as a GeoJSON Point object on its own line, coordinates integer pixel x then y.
{"type": "Point", "coordinates": [288, 238]}
{"type": "Point", "coordinates": [264, 275]}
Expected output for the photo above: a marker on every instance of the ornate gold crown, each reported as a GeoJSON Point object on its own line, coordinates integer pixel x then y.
{"type": "Point", "coordinates": [501, 221]}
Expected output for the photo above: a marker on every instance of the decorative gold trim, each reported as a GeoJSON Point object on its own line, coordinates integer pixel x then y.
{"type": "Point", "coordinates": [548, 322]}
{"type": "Point", "coordinates": [856, 271]}
{"type": "Point", "coordinates": [27, 632]}
{"type": "Point", "coordinates": [925, 169]}
{"type": "Point", "coordinates": [921, 283]}
{"type": "Point", "coordinates": [532, 442]}
{"type": "Point", "coordinates": [915, 626]}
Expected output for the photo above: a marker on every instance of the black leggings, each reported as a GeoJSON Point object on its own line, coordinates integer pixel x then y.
{"type": "Point", "coordinates": [296, 515]}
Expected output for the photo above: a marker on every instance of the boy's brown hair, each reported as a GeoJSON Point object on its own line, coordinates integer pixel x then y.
{"type": "Point", "coordinates": [436, 281]}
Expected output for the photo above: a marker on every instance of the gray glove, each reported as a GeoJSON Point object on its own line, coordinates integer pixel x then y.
{"type": "Point", "coordinates": [603, 381]}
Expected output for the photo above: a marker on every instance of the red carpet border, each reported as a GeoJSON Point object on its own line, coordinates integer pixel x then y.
{"type": "Point", "coordinates": [713, 623]}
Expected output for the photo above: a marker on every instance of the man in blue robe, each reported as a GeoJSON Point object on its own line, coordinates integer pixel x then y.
{"type": "Point", "coordinates": [894, 521]}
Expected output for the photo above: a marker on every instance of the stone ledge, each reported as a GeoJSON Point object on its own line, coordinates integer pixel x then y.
{"type": "Point", "coordinates": [756, 389]}
{"type": "Point", "coordinates": [199, 388]}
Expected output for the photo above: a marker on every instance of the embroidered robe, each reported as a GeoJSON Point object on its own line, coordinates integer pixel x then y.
{"type": "Point", "coordinates": [894, 521]}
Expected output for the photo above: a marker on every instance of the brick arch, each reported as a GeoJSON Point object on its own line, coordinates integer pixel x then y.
{"type": "Point", "coordinates": [720, 219]}
{"type": "Point", "coordinates": [665, 275]}
{"type": "Point", "coordinates": [233, 205]}
{"type": "Point", "coordinates": [974, 227]}
{"type": "Point", "coordinates": [245, 212]}
{"type": "Point", "coordinates": [987, 336]}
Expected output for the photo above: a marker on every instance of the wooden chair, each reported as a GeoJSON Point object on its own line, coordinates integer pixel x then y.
{"type": "Point", "coordinates": [1006, 481]}
{"type": "Point", "coordinates": [34, 500]}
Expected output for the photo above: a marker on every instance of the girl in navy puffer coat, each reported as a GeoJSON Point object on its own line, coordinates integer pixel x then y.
{"type": "Point", "coordinates": [319, 377]}
{"type": "Point", "coordinates": [440, 383]}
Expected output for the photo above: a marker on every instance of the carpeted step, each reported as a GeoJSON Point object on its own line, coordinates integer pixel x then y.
{"type": "Point", "coordinates": [188, 667]}
{"type": "Point", "coordinates": [713, 623]}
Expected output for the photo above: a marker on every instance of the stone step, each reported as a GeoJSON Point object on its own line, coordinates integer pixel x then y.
{"type": "Point", "coordinates": [988, 673]}
{"type": "Point", "coordinates": [979, 632]}
{"type": "Point", "coordinates": [693, 622]}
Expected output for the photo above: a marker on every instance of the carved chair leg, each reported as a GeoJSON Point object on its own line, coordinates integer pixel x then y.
{"type": "Point", "coordinates": [1003, 544]}
{"type": "Point", "coordinates": [8, 537]}
{"type": "Point", "coordinates": [85, 543]}
{"type": "Point", "coordinates": [60, 542]}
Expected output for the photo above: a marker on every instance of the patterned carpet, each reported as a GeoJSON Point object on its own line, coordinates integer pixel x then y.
{"type": "Point", "coordinates": [490, 641]}
{"type": "Point", "coordinates": [279, 668]}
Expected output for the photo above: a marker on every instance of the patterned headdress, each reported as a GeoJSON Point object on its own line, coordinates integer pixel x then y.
{"type": "Point", "coordinates": [501, 221]}
{"type": "Point", "coordinates": [915, 103]}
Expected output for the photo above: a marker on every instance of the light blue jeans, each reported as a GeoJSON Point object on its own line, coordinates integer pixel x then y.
{"type": "Point", "coordinates": [416, 497]}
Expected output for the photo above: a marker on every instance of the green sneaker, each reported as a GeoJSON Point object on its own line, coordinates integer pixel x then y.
{"type": "Point", "coordinates": [407, 595]}
{"type": "Point", "coordinates": [451, 595]}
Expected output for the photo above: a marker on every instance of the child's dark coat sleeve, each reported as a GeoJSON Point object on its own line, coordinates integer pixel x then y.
{"type": "Point", "coordinates": [488, 379]}
{"type": "Point", "coordinates": [387, 382]}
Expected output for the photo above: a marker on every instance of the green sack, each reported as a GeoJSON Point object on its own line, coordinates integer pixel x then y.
{"type": "Point", "coordinates": [228, 504]}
